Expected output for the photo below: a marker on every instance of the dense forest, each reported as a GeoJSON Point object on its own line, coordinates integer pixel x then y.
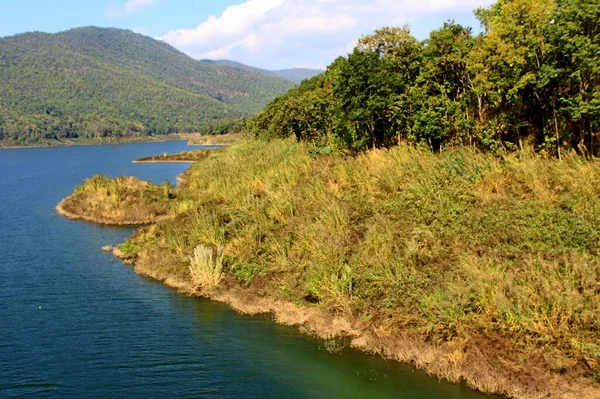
{"type": "Point", "coordinates": [95, 82]}
{"type": "Point", "coordinates": [531, 78]}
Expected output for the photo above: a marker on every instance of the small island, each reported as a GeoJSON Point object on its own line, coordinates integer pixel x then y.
{"type": "Point", "coordinates": [180, 157]}
{"type": "Point", "coordinates": [123, 201]}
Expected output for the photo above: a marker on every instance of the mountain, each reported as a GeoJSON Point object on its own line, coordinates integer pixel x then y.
{"type": "Point", "coordinates": [296, 75]}
{"type": "Point", "coordinates": [111, 82]}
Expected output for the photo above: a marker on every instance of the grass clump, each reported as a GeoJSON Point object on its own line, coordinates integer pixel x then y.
{"type": "Point", "coordinates": [119, 201]}
{"type": "Point", "coordinates": [206, 267]}
{"type": "Point", "coordinates": [217, 139]}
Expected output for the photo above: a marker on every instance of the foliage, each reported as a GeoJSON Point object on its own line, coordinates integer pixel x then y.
{"type": "Point", "coordinates": [448, 245]}
{"type": "Point", "coordinates": [93, 82]}
{"type": "Point", "coordinates": [531, 77]}
{"type": "Point", "coordinates": [224, 126]}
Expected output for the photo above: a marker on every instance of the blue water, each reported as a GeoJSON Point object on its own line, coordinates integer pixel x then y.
{"type": "Point", "coordinates": [75, 322]}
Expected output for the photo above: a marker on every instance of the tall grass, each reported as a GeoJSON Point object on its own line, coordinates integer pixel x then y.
{"type": "Point", "coordinates": [123, 200]}
{"type": "Point", "coordinates": [206, 267]}
{"type": "Point", "coordinates": [448, 245]}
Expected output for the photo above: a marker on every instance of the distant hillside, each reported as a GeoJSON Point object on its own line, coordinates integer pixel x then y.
{"type": "Point", "coordinates": [296, 75]}
{"type": "Point", "coordinates": [109, 82]}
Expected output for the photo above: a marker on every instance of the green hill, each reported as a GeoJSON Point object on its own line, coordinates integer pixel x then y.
{"type": "Point", "coordinates": [96, 82]}
{"type": "Point", "coordinates": [296, 75]}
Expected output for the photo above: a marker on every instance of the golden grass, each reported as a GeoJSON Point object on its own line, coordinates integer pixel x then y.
{"type": "Point", "coordinates": [206, 267]}
{"type": "Point", "coordinates": [183, 157]}
{"type": "Point", "coordinates": [494, 261]}
{"type": "Point", "coordinates": [217, 139]}
{"type": "Point", "coordinates": [120, 201]}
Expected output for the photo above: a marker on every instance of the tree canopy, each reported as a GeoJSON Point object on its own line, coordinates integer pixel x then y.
{"type": "Point", "coordinates": [531, 77]}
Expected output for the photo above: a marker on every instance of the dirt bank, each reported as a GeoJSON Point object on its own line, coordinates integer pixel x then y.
{"type": "Point", "coordinates": [473, 361]}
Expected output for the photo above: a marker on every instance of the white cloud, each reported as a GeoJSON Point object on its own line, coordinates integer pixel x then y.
{"type": "Point", "coordinates": [282, 33]}
{"type": "Point", "coordinates": [130, 7]}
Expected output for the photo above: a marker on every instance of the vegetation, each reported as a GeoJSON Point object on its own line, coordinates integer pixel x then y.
{"type": "Point", "coordinates": [224, 126]}
{"type": "Point", "coordinates": [186, 156]}
{"type": "Point", "coordinates": [454, 247]}
{"type": "Point", "coordinates": [93, 82]}
{"type": "Point", "coordinates": [532, 77]}
{"type": "Point", "coordinates": [221, 139]}
{"type": "Point", "coordinates": [206, 267]}
{"type": "Point", "coordinates": [489, 255]}
{"type": "Point", "coordinates": [103, 140]}
{"type": "Point", "coordinates": [120, 201]}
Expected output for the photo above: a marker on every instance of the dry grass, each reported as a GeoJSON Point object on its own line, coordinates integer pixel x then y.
{"type": "Point", "coordinates": [184, 157]}
{"type": "Point", "coordinates": [206, 267]}
{"type": "Point", "coordinates": [218, 139]}
{"type": "Point", "coordinates": [120, 201]}
{"type": "Point", "coordinates": [495, 256]}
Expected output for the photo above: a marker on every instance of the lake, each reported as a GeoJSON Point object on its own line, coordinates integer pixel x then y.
{"type": "Point", "coordinates": [75, 322]}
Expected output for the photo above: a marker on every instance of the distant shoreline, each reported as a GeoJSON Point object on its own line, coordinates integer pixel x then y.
{"type": "Point", "coordinates": [165, 161]}
{"type": "Point", "coordinates": [4, 145]}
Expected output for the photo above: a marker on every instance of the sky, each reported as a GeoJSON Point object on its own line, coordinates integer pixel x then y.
{"type": "Point", "coordinates": [270, 34]}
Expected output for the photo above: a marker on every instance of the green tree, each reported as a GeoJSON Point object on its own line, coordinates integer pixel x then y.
{"type": "Point", "coordinates": [442, 96]}
{"type": "Point", "coordinates": [373, 84]}
{"type": "Point", "coordinates": [575, 36]}
{"type": "Point", "coordinates": [509, 69]}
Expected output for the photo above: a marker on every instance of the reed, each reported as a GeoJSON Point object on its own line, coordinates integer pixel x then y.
{"type": "Point", "coordinates": [206, 267]}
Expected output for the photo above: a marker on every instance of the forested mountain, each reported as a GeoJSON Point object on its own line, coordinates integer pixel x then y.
{"type": "Point", "coordinates": [296, 75]}
{"type": "Point", "coordinates": [94, 82]}
{"type": "Point", "coordinates": [531, 78]}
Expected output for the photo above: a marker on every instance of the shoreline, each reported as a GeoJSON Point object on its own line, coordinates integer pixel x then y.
{"type": "Point", "coordinates": [165, 161]}
{"type": "Point", "coordinates": [75, 143]}
{"type": "Point", "coordinates": [73, 216]}
{"type": "Point", "coordinates": [484, 362]}
{"type": "Point", "coordinates": [470, 363]}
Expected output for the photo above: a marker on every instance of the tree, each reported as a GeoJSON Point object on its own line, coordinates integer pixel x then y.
{"type": "Point", "coordinates": [374, 80]}
{"type": "Point", "coordinates": [575, 36]}
{"type": "Point", "coordinates": [509, 69]}
{"type": "Point", "coordinates": [442, 96]}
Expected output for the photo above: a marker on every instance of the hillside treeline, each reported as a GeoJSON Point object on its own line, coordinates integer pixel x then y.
{"type": "Point", "coordinates": [532, 77]}
{"type": "Point", "coordinates": [96, 82]}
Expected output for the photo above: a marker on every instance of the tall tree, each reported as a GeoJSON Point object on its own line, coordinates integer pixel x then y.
{"type": "Point", "coordinates": [509, 68]}
{"type": "Point", "coordinates": [442, 96]}
{"type": "Point", "coordinates": [374, 81]}
{"type": "Point", "coordinates": [575, 35]}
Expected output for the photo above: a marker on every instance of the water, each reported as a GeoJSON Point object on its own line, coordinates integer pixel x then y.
{"type": "Point", "coordinates": [75, 322]}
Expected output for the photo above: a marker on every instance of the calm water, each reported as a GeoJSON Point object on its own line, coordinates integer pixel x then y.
{"type": "Point", "coordinates": [75, 322]}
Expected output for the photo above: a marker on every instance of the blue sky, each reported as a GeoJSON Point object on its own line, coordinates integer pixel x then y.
{"type": "Point", "coordinates": [265, 33]}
